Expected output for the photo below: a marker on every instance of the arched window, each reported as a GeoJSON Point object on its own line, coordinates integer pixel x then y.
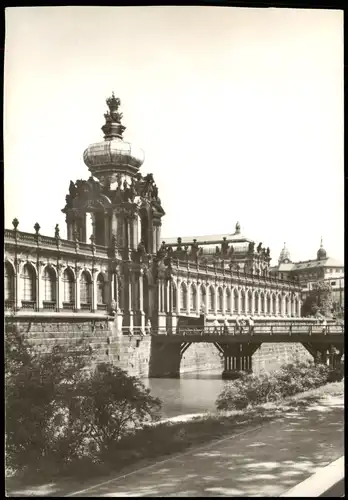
{"type": "Point", "coordinates": [28, 279]}
{"type": "Point", "coordinates": [203, 297]}
{"type": "Point", "coordinates": [286, 305]}
{"type": "Point", "coordinates": [274, 305]}
{"type": "Point", "coordinates": [243, 301]}
{"type": "Point", "coordinates": [9, 282]}
{"type": "Point", "coordinates": [183, 297]}
{"type": "Point", "coordinates": [268, 304]}
{"type": "Point", "coordinates": [68, 287]}
{"type": "Point", "coordinates": [250, 301]}
{"type": "Point", "coordinates": [100, 289]}
{"type": "Point", "coordinates": [256, 302]}
{"type": "Point", "coordinates": [85, 288]}
{"type": "Point", "coordinates": [211, 299]}
{"type": "Point", "coordinates": [193, 297]}
{"type": "Point", "coordinates": [278, 304]}
{"type": "Point", "coordinates": [174, 289]}
{"type": "Point", "coordinates": [49, 279]}
{"type": "Point", "coordinates": [235, 301]}
{"type": "Point", "coordinates": [262, 303]}
{"type": "Point", "coordinates": [220, 299]}
{"type": "Point", "coordinates": [228, 300]}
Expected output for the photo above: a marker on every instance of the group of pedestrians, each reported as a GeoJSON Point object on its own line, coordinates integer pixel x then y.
{"type": "Point", "coordinates": [243, 325]}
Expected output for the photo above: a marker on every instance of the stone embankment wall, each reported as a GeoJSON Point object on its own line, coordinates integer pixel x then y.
{"type": "Point", "coordinates": [133, 353]}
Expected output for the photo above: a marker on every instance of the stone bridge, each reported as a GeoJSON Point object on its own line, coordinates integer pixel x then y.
{"type": "Point", "coordinates": [237, 345]}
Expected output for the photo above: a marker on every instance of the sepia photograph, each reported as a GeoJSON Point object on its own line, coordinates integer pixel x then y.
{"type": "Point", "coordinates": [174, 251]}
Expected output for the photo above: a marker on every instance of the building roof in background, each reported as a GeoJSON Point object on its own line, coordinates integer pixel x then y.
{"type": "Point", "coordinates": [307, 264]}
{"type": "Point", "coordinates": [235, 237]}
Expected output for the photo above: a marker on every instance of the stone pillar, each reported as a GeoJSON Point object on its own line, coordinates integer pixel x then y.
{"type": "Point", "coordinates": [94, 290]}
{"type": "Point", "coordinates": [224, 300]}
{"type": "Point", "coordinates": [259, 303]}
{"type": "Point", "coordinates": [299, 303]}
{"type": "Point", "coordinates": [239, 302]}
{"type": "Point", "coordinates": [161, 313]}
{"type": "Point", "coordinates": [107, 225]}
{"type": "Point", "coordinates": [77, 290]}
{"type": "Point", "coordinates": [135, 231]}
{"type": "Point", "coordinates": [215, 300]}
{"type": "Point", "coordinates": [178, 298]}
{"type": "Point", "coordinates": [141, 299]}
{"type": "Point", "coordinates": [158, 237]}
{"type": "Point", "coordinates": [252, 303]}
{"type": "Point", "coordinates": [188, 297]}
{"type": "Point", "coordinates": [40, 286]}
{"type": "Point", "coordinates": [60, 287]}
{"type": "Point", "coordinates": [198, 301]}
{"type": "Point", "coordinates": [168, 295]}
{"type": "Point", "coordinates": [82, 228]}
{"type": "Point", "coordinates": [154, 239]}
{"type": "Point", "coordinates": [18, 287]}
{"type": "Point", "coordinates": [70, 229]}
{"type": "Point", "coordinates": [114, 224]}
{"type": "Point", "coordinates": [282, 305]}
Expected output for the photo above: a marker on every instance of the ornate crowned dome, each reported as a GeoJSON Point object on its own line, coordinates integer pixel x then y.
{"type": "Point", "coordinates": [284, 255]}
{"type": "Point", "coordinates": [113, 156]}
{"type": "Point", "coordinates": [321, 253]}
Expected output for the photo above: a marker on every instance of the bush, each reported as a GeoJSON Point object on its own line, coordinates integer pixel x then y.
{"type": "Point", "coordinates": [289, 380]}
{"type": "Point", "coordinates": [60, 412]}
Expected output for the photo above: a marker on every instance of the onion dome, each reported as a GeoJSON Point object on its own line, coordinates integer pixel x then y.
{"type": "Point", "coordinates": [284, 255]}
{"type": "Point", "coordinates": [113, 156]}
{"type": "Point", "coordinates": [321, 253]}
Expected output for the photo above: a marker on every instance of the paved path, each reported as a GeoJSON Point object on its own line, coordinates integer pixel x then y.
{"type": "Point", "coordinates": [265, 461]}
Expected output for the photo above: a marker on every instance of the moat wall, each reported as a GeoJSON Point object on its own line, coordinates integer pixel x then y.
{"type": "Point", "coordinates": [134, 353]}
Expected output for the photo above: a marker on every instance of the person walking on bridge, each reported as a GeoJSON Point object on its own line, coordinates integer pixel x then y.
{"type": "Point", "coordinates": [226, 326]}
{"type": "Point", "coordinates": [251, 325]}
{"type": "Point", "coordinates": [216, 325]}
{"type": "Point", "coordinates": [324, 325]}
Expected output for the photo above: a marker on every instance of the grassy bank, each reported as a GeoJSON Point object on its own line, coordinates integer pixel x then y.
{"type": "Point", "coordinates": [155, 443]}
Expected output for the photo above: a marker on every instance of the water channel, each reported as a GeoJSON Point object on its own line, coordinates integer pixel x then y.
{"type": "Point", "coordinates": [194, 392]}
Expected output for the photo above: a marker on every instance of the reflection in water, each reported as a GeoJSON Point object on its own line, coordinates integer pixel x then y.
{"type": "Point", "coordinates": [192, 393]}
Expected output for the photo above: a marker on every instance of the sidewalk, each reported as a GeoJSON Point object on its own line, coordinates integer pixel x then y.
{"type": "Point", "coordinates": [264, 461]}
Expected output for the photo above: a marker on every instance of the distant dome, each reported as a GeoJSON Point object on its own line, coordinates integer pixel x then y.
{"type": "Point", "coordinates": [321, 253]}
{"type": "Point", "coordinates": [113, 155]}
{"type": "Point", "coordinates": [284, 255]}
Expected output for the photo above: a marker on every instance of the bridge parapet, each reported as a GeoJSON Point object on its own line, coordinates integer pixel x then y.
{"type": "Point", "coordinates": [286, 329]}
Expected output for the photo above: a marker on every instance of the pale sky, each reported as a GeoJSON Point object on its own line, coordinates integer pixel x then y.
{"type": "Point", "coordinates": [239, 112]}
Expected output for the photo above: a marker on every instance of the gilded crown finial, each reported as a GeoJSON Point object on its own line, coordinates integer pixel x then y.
{"type": "Point", "coordinates": [113, 126]}
{"type": "Point", "coordinates": [113, 102]}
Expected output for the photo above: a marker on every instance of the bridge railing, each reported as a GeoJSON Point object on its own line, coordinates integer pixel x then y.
{"type": "Point", "coordinates": [262, 329]}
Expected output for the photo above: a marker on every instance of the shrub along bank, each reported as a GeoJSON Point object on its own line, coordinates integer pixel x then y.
{"type": "Point", "coordinates": [290, 379]}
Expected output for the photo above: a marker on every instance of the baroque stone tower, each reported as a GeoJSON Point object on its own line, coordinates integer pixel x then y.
{"type": "Point", "coordinates": [125, 213]}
